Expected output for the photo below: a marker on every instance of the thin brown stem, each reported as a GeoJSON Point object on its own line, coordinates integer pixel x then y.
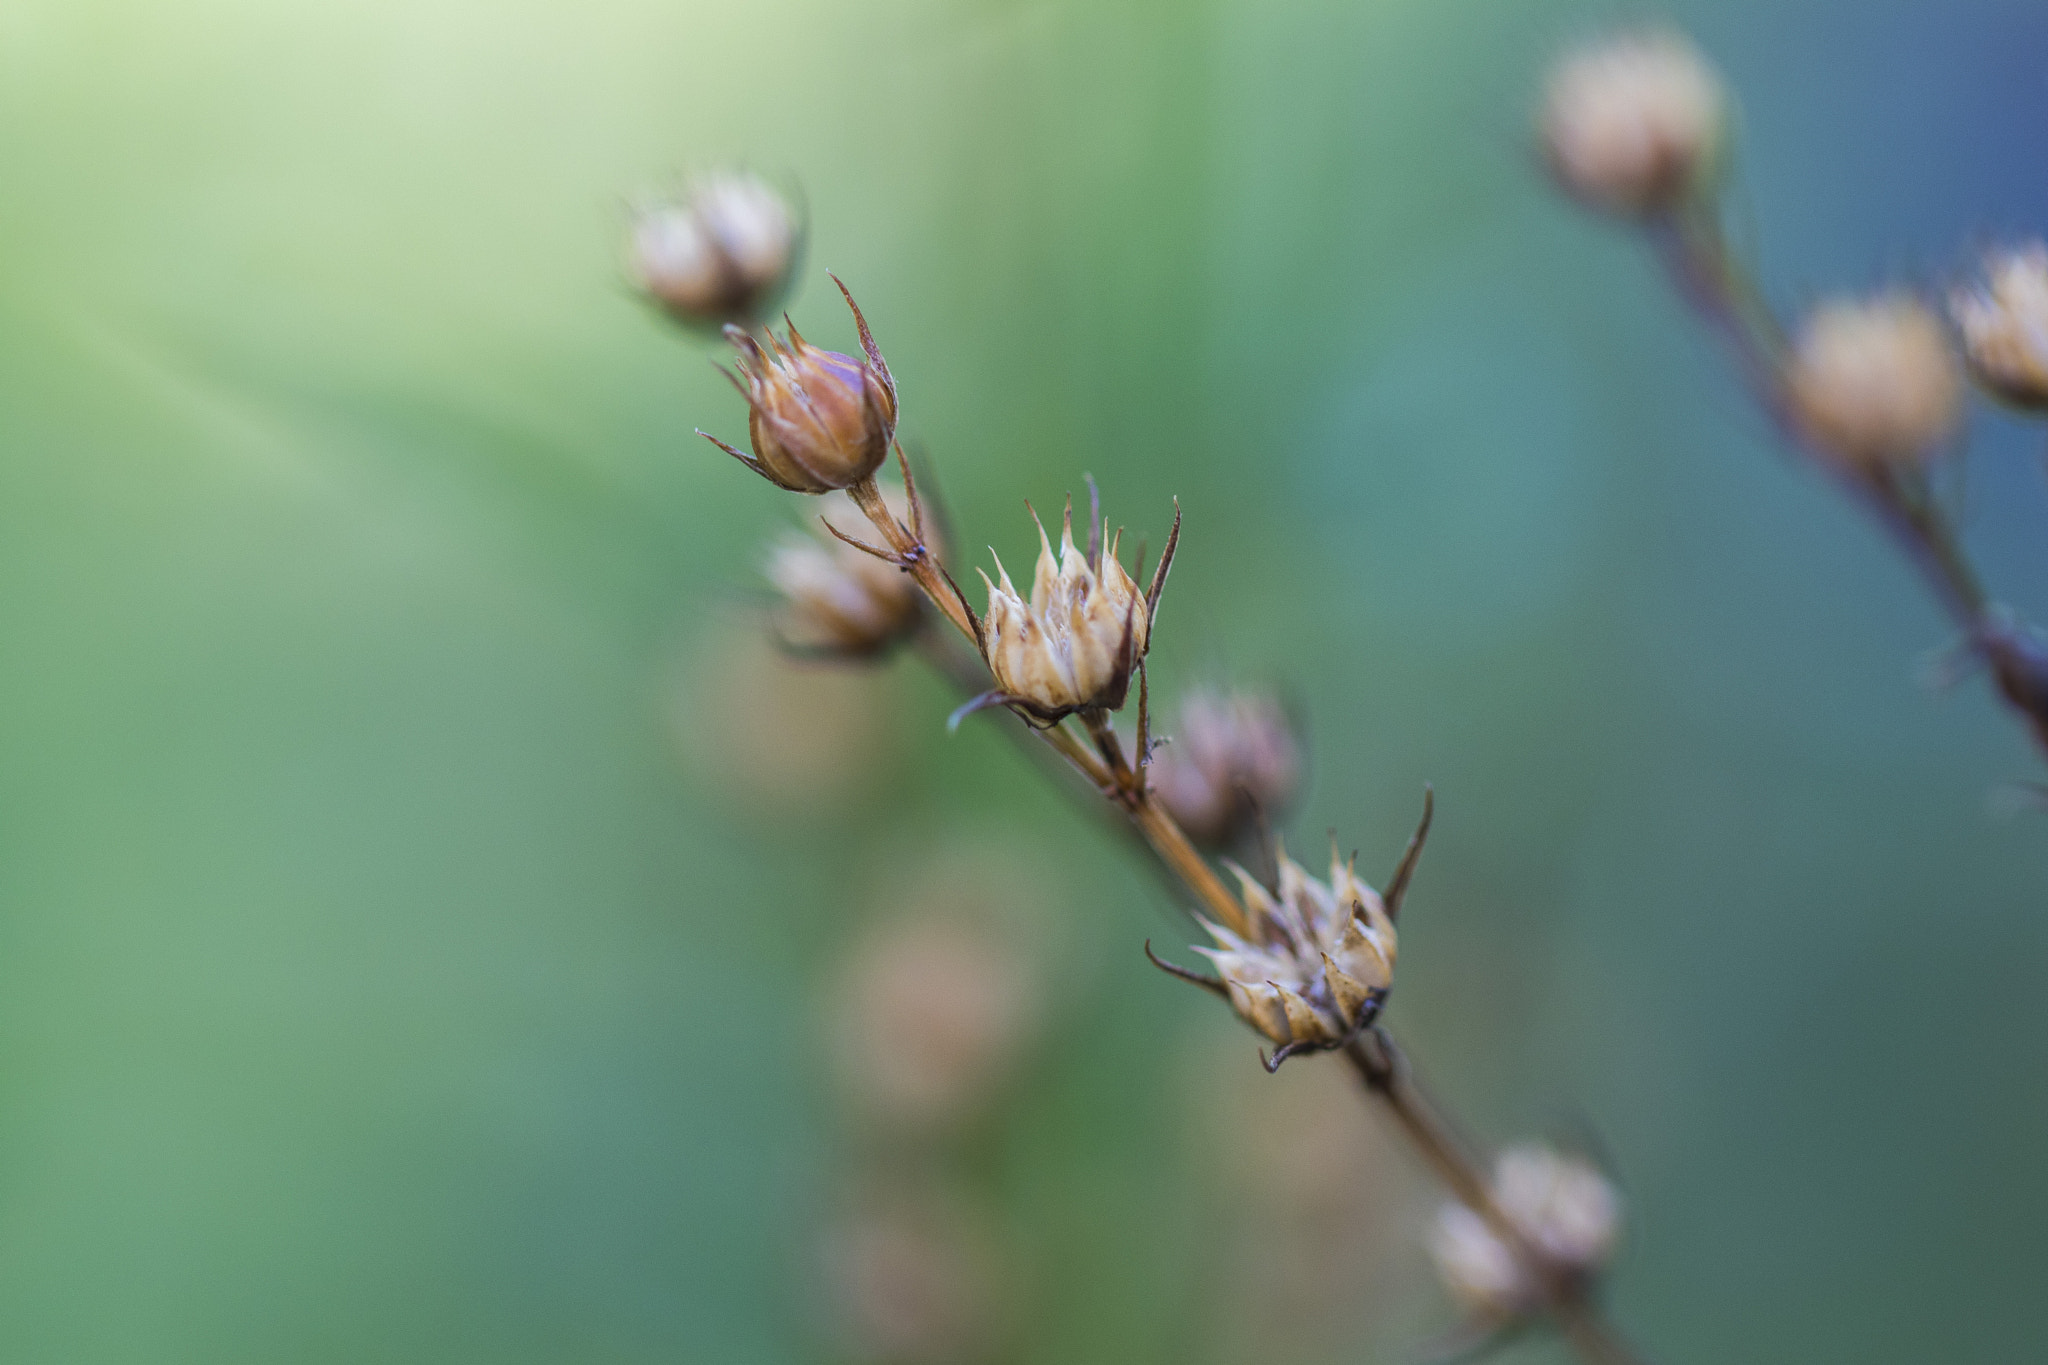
{"type": "Point", "coordinates": [916, 558]}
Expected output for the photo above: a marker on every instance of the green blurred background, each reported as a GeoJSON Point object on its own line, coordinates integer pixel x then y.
{"type": "Point", "coordinates": [403, 957]}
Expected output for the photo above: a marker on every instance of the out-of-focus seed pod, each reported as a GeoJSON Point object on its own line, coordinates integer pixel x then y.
{"type": "Point", "coordinates": [1233, 755]}
{"type": "Point", "coordinates": [723, 253]}
{"type": "Point", "coordinates": [1873, 382]}
{"type": "Point", "coordinates": [839, 600]}
{"type": "Point", "coordinates": [1566, 1211]}
{"type": "Point", "coordinates": [2004, 322]}
{"type": "Point", "coordinates": [1633, 123]}
{"type": "Point", "coordinates": [1076, 644]}
{"type": "Point", "coordinates": [1318, 959]}
{"type": "Point", "coordinates": [913, 1278]}
{"type": "Point", "coordinates": [932, 1014]}
{"type": "Point", "coordinates": [818, 420]}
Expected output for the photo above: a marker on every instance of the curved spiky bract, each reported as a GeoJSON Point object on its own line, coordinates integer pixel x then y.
{"type": "Point", "coordinates": [818, 420]}
{"type": "Point", "coordinates": [1318, 960]}
{"type": "Point", "coordinates": [1077, 641]}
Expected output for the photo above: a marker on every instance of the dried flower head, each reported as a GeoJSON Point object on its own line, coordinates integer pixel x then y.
{"type": "Point", "coordinates": [1317, 961]}
{"type": "Point", "coordinates": [2004, 322]}
{"type": "Point", "coordinates": [819, 420]}
{"type": "Point", "coordinates": [1565, 1209]}
{"type": "Point", "coordinates": [1632, 124]}
{"type": "Point", "coordinates": [1873, 382]}
{"type": "Point", "coordinates": [840, 600]}
{"type": "Point", "coordinates": [723, 253]}
{"type": "Point", "coordinates": [1232, 756]}
{"type": "Point", "coordinates": [1076, 644]}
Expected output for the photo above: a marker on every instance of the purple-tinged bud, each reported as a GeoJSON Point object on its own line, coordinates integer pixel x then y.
{"type": "Point", "coordinates": [818, 420]}
{"type": "Point", "coordinates": [839, 600]}
{"type": "Point", "coordinates": [1233, 755]}
{"type": "Point", "coordinates": [723, 253]}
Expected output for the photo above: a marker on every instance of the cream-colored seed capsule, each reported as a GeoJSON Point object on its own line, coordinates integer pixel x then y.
{"type": "Point", "coordinates": [1566, 1211]}
{"type": "Point", "coordinates": [1873, 382]}
{"type": "Point", "coordinates": [1632, 124]}
{"type": "Point", "coordinates": [1317, 958]}
{"type": "Point", "coordinates": [1076, 643]}
{"type": "Point", "coordinates": [721, 254]}
{"type": "Point", "coordinates": [2004, 322]}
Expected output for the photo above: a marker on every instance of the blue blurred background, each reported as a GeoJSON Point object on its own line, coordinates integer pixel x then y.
{"type": "Point", "coordinates": [422, 895]}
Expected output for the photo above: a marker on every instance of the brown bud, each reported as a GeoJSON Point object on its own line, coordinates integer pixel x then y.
{"type": "Point", "coordinates": [2004, 322]}
{"type": "Point", "coordinates": [1564, 1208]}
{"type": "Point", "coordinates": [1232, 755]}
{"type": "Point", "coordinates": [1632, 124]}
{"type": "Point", "coordinates": [840, 600]}
{"type": "Point", "coordinates": [1317, 961]}
{"type": "Point", "coordinates": [723, 253]}
{"type": "Point", "coordinates": [1076, 644]}
{"type": "Point", "coordinates": [1873, 382]}
{"type": "Point", "coordinates": [818, 420]}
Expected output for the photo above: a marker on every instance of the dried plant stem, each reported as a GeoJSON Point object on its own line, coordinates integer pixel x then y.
{"type": "Point", "coordinates": [1384, 1068]}
{"type": "Point", "coordinates": [1714, 278]}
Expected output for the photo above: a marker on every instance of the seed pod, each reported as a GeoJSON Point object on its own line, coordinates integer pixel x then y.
{"type": "Point", "coordinates": [1566, 1211]}
{"type": "Point", "coordinates": [723, 253]}
{"type": "Point", "coordinates": [1632, 124]}
{"type": "Point", "coordinates": [839, 600]}
{"type": "Point", "coordinates": [1233, 755]}
{"type": "Point", "coordinates": [1873, 382]}
{"type": "Point", "coordinates": [2004, 322]}
{"type": "Point", "coordinates": [1076, 644]}
{"type": "Point", "coordinates": [818, 420]}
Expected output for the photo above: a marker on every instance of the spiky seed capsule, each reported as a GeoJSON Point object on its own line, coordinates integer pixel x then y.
{"type": "Point", "coordinates": [1632, 124]}
{"type": "Point", "coordinates": [1873, 382]}
{"type": "Point", "coordinates": [2004, 322]}
{"type": "Point", "coordinates": [1078, 640]}
{"type": "Point", "coordinates": [1232, 755]}
{"type": "Point", "coordinates": [818, 420]}
{"type": "Point", "coordinates": [1318, 959]}
{"type": "Point", "coordinates": [723, 253]}
{"type": "Point", "coordinates": [1565, 1209]}
{"type": "Point", "coordinates": [840, 600]}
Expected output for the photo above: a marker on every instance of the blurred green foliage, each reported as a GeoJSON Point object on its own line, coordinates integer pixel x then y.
{"type": "Point", "coordinates": [386, 973]}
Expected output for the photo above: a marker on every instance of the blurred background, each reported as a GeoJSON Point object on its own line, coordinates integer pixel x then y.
{"type": "Point", "coordinates": [433, 923]}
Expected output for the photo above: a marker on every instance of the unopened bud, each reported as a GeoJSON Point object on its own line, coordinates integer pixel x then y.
{"type": "Point", "coordinates": [1077, 642]}
{"type": "Point", "coordinates": [840, 600]}
{"type": "Point", "coordinates": [818, 420]}
{"type": "Point", "coordinates": [1632, 124]}
{"type": "Point", "coordinates": [1564, 1208]}
{"type": "Point", "coordinates": [2004, 322]}
{"type": "Point", "coordinates": [1232, 756]}
{"type": "Point", "coordinates": [724, 253]}
{"type": "Point", "coordinates": [1873, 382]}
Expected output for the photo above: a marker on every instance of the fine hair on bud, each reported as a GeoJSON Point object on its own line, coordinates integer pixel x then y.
{"type": "Point", "coordinates": [1873, 382]}
{"type": "Point", "coordinates": [818, 420]}
{"type": "Point", "coordinates": [722, 252]}
{"type": "Point", "coordinates": [1565, 1209]}
{"type": "Point", "coordinates": [840, 601]}
{"type": "Point", "coordinates": [1233, 757]}
{"type": "Point", "coordinates": [1633, 123]}
{"type": "Point", "coordinates": [2004, 323]}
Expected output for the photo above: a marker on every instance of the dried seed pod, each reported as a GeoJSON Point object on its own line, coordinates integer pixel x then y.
{"type": "Point", "coordinates": [1232, 756]}
{"type": "Point", "coordinates": [1566, 1211]}
{"type": "Point", "coordinates": [1317, 961]}
{"type": "Point", "coordinates": [723, 253]}
{"type": "Point", "coordinates": [818, 420]}
{"type": "Point", "coordinates": [1077, 642]}
{"type": "Point", "coordinates": [1873, 382]}
{"type": "Point", "coordinates": [840, 600]}
{"type": "Point", "coordinates": [1632, 124]}
{"type": "Point", "coordinates": [2004, 322]}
